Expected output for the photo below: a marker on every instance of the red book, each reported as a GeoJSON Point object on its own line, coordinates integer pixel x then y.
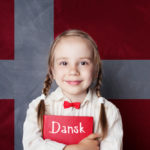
{"type": "Point", "coordinates": [67, 129]}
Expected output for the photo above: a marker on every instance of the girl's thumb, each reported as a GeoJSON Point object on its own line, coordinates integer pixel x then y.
{"type": "Point", "coordinates": [94, 136]}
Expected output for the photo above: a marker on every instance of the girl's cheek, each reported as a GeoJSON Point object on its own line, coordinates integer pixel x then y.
{"type": "Point", "coordinates": [61, 69]}
{"type": "Point", "coordinates": [57, 67]}
{"type": "Point", "coordinates": [88, 68]}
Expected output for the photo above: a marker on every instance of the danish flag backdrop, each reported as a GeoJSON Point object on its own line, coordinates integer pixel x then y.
{"type": "Point", "coordinates": [121, 29]}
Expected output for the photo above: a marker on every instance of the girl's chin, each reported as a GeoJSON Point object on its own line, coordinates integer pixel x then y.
{"type": "Point", "coordinates": [75, 91]}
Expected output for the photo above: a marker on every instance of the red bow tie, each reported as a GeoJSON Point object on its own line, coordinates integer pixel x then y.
{"type": "Point", "coordinates": [75, 105]}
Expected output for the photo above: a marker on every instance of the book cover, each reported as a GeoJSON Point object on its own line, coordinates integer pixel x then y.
{"type": "Point", "coordinates": [67, 129]}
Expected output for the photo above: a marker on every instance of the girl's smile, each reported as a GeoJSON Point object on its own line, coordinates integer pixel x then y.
{"type": "Point", "coordinates": [73, 66]}
{"type": "Point", "coordinates": [74, 82]}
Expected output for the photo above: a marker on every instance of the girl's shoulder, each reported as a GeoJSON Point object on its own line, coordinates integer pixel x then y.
{"type": "Point", "coordinates": [109, 106]}
{"type": "Point", "coordinates": [56, 94]}
{"type": "Point", "coordinates": [98, 100]}
{"type": "Point", "coordinates": [34, 103]}
{"type": "Point", "coordinates": [112, 111]}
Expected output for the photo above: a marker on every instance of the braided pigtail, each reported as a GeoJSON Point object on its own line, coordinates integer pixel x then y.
{"type": "Point", "coordinates": [41, 106]}
{"type": "Point", "coordinates": [103, 118]}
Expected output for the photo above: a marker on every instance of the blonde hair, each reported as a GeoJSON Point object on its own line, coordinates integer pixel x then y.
{"type": "Point", "coordinates": [49, 76]}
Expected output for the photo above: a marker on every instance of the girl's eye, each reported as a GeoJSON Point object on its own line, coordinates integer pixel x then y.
{"type": "Point", "coordinates": [84, 63]}
{"type": "Point", "coordinates": [63, 63]}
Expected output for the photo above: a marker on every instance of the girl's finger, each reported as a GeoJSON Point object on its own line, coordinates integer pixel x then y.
{"type": "Point", "coordinates": [94, 136]}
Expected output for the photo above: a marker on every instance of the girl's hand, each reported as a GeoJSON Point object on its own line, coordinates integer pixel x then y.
{"type": "Point", "coordinates": [89, 143]}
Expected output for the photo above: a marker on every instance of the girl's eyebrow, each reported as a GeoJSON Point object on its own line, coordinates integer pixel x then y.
{"type": "Point", "coordinates": [86, 58]}
{"type": "Point", "coordinates": [59, 58]}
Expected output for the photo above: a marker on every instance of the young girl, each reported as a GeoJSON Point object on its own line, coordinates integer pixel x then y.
{"type": "Point", "coordinates": [75, 65]}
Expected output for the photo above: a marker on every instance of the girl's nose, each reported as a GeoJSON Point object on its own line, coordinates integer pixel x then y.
{"type": "Point", "coordinates": [74, 70]}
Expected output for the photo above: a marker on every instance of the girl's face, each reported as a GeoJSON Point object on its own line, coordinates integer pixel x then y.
{"type": "Point", "coordinates": [73, 68]}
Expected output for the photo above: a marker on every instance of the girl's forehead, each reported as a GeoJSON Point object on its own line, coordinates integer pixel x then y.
{"type": "Point", "coordinates": [73, 47]}
{"type": "Point", "coordinates": [74, 40]}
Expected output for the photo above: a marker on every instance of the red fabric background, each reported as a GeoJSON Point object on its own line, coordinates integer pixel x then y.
{"type": "Point", "coordinates": [7, 124]}
{"type": "Point", "coordinates": [6, 29]}
{"type": "Point", "coordinates": [136, 123]}
{"type": "Point", "coordinates": [121, 28]}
